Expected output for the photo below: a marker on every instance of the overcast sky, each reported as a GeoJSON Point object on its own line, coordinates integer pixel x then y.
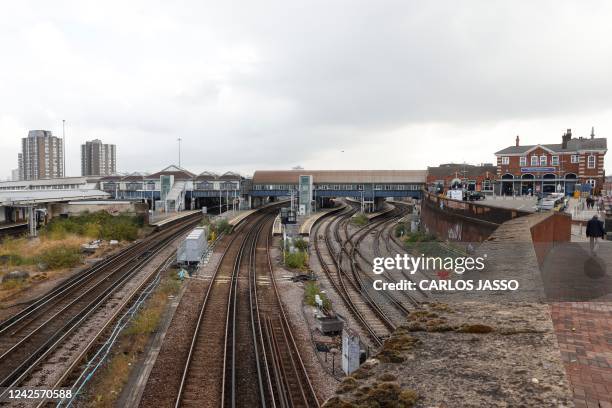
{"type": "Point", "coordinates": [323, 84]}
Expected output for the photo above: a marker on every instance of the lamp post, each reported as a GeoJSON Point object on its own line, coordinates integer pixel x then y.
{"type": "Point", "coordinates": [64, 147]}
{"type": "Point", "coordinates": [179, 143]}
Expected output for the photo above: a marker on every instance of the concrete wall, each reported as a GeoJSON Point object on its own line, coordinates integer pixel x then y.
{"type": "Point", "coordinates": [462, 221]}
{"type": "Point", "coordinates": [550, 231]}
{"type": "Point", "coordinates": [120, 207]}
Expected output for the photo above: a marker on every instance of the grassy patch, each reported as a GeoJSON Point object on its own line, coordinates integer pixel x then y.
{"type": "Point", "coordinates": [97, 225]}
{"type": "Point", "coordinates": [61, 256]}
{"type": "Point", "coordinates": [14, 284]}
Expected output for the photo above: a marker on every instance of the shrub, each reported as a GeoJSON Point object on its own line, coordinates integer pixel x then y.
{"type": "Point", "coordinates": [223, 227]}
{"type": "Point", "coordinates": [96, 225]}
{"type": "Point", "coordinates": [300, 244]}
{"type": "Point", "coordinates": [297, 260]}
{"type": "Point", "coordinates": [401, 230]}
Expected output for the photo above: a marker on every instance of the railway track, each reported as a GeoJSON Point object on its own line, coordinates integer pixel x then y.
{"type": "Point", "coordinates": [366, 312]}
{"type": "Point", "coordinates": [339, 258]}
{"type": "Point", "coordinates": [242, 350]}
{"type": "Point", "coordinates": [30, 335]}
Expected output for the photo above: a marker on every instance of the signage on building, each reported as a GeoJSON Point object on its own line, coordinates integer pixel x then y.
{"type": "Point", "coordinates": [538, 169]}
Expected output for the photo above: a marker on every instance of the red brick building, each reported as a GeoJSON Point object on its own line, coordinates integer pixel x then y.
{"type": "Point", "coordinates": [563, 167]}
{"type": "Point", "coordinates": [454, 175]}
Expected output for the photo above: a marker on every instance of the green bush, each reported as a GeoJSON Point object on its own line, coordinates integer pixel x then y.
{"type": "Point", "coordinates": [223, 227]}
{"type": "Point", "coordinates": [297, 260]}
{"type": "Point", "coordinates": [61, 257]}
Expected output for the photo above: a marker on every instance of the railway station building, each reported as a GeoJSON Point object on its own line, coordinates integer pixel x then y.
{"type": "Point", "coordinates": [314, 188]}
{"type": "Point", "coordinates": [576, 162]}
{"type": "Point", "coordinates": [175, 189]}
{"type": "Point", "coordinates": [456, 175]}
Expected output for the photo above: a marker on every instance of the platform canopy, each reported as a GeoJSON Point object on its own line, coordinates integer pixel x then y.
{"type": "Point", "coordinates": [341, 176]}
{"type": "Point", "coordinates": [29, 197]}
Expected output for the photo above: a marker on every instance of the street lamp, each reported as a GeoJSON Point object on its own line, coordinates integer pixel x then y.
{"type": "Point", "coordinates": [179, 142]}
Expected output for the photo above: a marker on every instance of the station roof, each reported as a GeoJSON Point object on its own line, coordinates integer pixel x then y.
{"type": "Point", "coordinates": [340, 176]}
{"type": "Point", "coordinates": [26, 197]}
{"type": "Point", "coordinates": [469, 170]}
{"type": "Point", "coordinates": [179, 173]}
{"type": "Point", "coordinates": [573, 145]}
{"type": "Point", "coordinates": [49, 182]}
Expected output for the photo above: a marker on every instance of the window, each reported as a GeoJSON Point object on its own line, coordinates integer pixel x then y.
{"type": "Point", "coordinates": [505, 160]}
{"type": "Point", "coordinates": [534, 160]}
{"type": "Point", "coordinates": [591, 162]}
{"type": "Point", "coordinates": [575, 158]}
{"type": "Point", "coordinates": [523, 161]}
{"type": "Point", "coordinates": [542, 160]}
{"type": "Point", "coordinates": [554, 160]}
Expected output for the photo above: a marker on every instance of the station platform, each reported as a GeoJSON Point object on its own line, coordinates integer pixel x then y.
{"type": "Point", "coordinates": [277, 228]}
{"type": "Point", "coordinates": [308, 223]}
{"type": "Point", "coordinates": [173, 217]}
{"type": "Point", "coordinates": [236, 217]}
{"type": "Point", "coordinates": [388, 208]}
{"type": "Point", "coordinates": [8, 226]}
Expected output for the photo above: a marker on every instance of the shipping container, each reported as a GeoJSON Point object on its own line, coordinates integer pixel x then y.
{"type": "Point", "coordinates": [193, 248]}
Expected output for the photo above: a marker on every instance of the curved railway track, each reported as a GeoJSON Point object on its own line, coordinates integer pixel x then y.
{"type": "Point", "coordinates": [33, 333]}
{"type": "Point", "coordinates": [352, 282]}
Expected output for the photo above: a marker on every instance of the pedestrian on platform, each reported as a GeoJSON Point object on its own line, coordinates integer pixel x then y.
{"type": "Point", "coordinates": [594, 231]}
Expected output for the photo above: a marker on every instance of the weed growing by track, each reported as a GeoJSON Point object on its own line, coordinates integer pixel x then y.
{"type": "Point", "coordinates": [360, 219]}
{"type": "Point", "coordinates": [296, 260]}
{"type": "Point", "coordinates": [311, 289]}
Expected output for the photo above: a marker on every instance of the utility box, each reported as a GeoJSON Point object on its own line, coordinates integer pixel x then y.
{"type": "Point", "coordinates": [329, 325]}
{"type": "Point", "coordinates": [351, 351]}
{"type": "Point", "coordinates": [192, 249]}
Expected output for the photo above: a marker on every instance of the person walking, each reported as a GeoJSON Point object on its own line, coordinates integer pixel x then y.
{"type": "Point", "coordinates": [594, 231]}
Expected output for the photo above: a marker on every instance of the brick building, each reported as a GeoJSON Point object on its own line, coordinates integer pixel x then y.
{"type": "Point", "coordinates": [563, 167]}
{"type": "Point", "coordinates": [455, 175]}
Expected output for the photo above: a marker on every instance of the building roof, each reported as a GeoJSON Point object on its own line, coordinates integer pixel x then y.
{"type": "Point", "coordinates": [471, 171]}
{"type": "Point", "coordinates": [25, 197]}
{"type": "Point", "coordinates": [207, 176]}
{"type": "Point", "coordinates": [573, 145]}
{"type": "Point", "coordinates": [340, 176]}
{"type": "Point", "coordinates": [179, 173]}
{"type": "Point", "coordinates": [230, 175]}
{"type": "Point", "coordinates": [50, 182]}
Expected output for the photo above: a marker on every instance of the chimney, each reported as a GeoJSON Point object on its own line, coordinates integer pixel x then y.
{"type": "Point", "coordinates": [517, 140]}
{"type": "Point", "coordinates": [566, 138]}
{"type": "Point", "coordinates": [593, 132]}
